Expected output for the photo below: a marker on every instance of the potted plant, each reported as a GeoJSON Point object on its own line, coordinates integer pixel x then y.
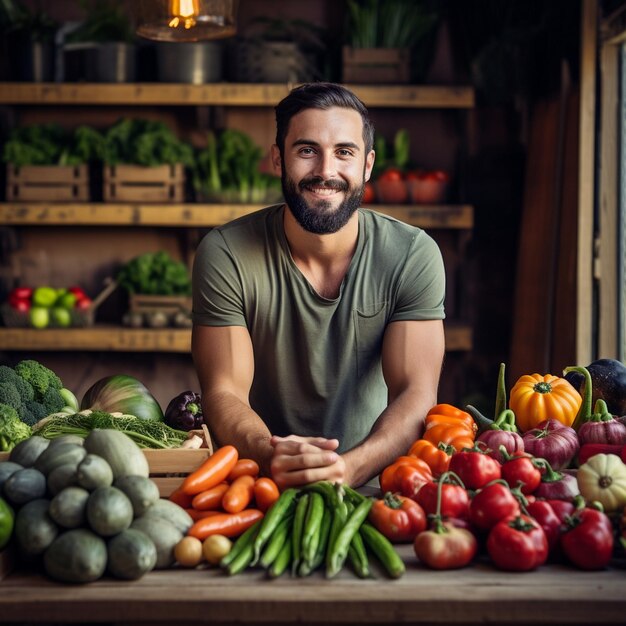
{"type": "Point", "coordinates": [27, 42]}
{"type": "Point", "coordinates": [383, 37]}
{"type": "Point", "coordinates": [144, 161]}
{"type": "Point", "coordinates": [228, 170]}
{"type": "Point", "coordinates": [107, 31]}
{"type": "Point", "coordinates": [277, 50]}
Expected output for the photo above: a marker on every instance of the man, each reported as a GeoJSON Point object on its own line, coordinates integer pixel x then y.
{"type": "Point", "coordinates": [318, 335]}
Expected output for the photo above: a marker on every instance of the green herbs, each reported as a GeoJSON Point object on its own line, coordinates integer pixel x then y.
{"type": "Point", "coordinates": [144, 142]}
{"type": "Point", "coordinates": [155, 273]}
{"type": "Point", "coordinates": [145, 433]}
{"type": "Point", "coordinates": [388, 23]}
{"type": "Point", "coordinates": [228, 169]}
{"type": "Point", "coordinates": [49, 144]}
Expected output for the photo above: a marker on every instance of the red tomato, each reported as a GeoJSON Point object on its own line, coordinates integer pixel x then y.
{"type": "Point", "coordinates": [400, 519]}
{"type": "Point", "coordinates": [542, 511]}
{"type": "Point", "coordinates": [438, 175]}
{"type": "Point", "coordinates": [474, 467]}
{"type": "Point", "coordinates": [517, 544]}
{"type": "Point", "coordinates": [369, 195]}
{"type": "Point", "coordinates": [391, 173]}
{"type": "Point", "coordinates": [445, 546]}
{"type": "Point", "coordinates": [19, 304]}
{"type": "Point", "coordinates": [588, 539]}
{"type": "Point", "coordinates": [21, 293]}
{"type": "Point", "coordinates": [83, 303]}
{"type": "Point", "coordinates": [520, 469]}
{"type": "Point", "coordinates": [454, 499]}
{"type": "Point", "coordinates": [78, 292]}
{"type": "Point", "coordinates": [492, 504]}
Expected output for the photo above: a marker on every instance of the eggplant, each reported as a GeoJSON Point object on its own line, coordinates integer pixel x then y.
{"type": "Point", "coordinates": [184, 412]}
{"type": "Point", "coordinates": [608, 378]}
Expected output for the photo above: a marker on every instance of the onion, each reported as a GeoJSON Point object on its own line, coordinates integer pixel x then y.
{"type": "Point", "coordinates": [553, 441]}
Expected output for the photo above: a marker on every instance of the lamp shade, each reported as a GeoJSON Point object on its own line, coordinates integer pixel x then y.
{"type": "Point", "coordinates": [185, 20]}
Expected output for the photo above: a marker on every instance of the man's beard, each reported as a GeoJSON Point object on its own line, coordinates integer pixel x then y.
{"type": "Point", "coordinates": [320, 219]}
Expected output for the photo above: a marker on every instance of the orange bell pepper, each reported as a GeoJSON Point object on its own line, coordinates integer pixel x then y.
{"type": "Point", "coordinates": [404, 470]}
{"type": "Point", "coordinates": [437, 456]}
{"type": "Point", "coordinates": [451, 434]}
{"type": "Point", "coordinates": [450, 414]}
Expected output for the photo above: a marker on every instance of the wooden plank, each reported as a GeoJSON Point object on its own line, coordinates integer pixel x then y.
{"type": "Point", "coordinates": [203, 215]}
{"type": "Point", "coordinates": [225, 94]}
{"type": "Point", "coordinates": [480, 594]}
{"type": "Point", "coordinates": [117, 338]}
{"type": "Point", "coordinates": [586, 183]}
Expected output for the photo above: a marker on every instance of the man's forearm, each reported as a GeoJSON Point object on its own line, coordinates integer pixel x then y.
{"type": "Point", "coordinates": [232, 421]}
{"type": "Point", "coordinates": [397, 427]}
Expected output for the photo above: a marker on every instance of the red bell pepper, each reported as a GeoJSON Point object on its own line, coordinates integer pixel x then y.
{"type": "Point", "coordinates": [587, 450]}
{"type": "Point", "coordinates": [474, 467]}
{"type": "Point", "coordinates": [517, 544]}
{"type": "Point", "coordinates": [588, 539]}
{"type": "Point", "coordinates": [491, 504]}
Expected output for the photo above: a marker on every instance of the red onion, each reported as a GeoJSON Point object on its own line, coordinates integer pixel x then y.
{"type": "Point", "coordinates": [493, 439]}
{"type": "Point", "coordinates": [602, 427]}
{"type": "Point", "coordinates": [553, 441]}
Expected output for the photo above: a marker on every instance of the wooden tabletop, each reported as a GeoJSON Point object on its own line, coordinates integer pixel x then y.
{"type": "Point", "coordinates": [553, 594]}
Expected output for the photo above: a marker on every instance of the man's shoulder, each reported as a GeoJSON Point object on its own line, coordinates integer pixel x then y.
{"type": "Point", "coordinates": [384, 230]}
{"type": "Point", "coordinates": [257, 220]}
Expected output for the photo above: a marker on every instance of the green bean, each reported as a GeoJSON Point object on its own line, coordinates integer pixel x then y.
{"type": "Point", "coordinates": [340, 515]}
{"type": "Point", "coordinates": [306, 567]}
{"type": "Point", "coordinates": [275, 513]}
{"type": "Point", "coordinates": [242, 541]}
{"type": "Point", "coordinates": [339, 548]}
{"type": "Point", "coordinates": [325, 489]}
{"type": "Point", "coordinates": [312, 524]}
{"type": "Point", "coordinates": [357, 555]}
{"type": "Point", "coordinates": [383, 549]}
{"type": "Point", "coordinates": [276, 541]}
{"type": "Point", "coordinates": [353, 496]}
{"type": "Point", "coordinates": [298, 527]}
{"type": "Point", "coordinates": [281, 562]}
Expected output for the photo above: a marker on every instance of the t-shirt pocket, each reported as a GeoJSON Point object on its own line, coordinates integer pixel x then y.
{"type": "Point", "coordinates": [369, 326]}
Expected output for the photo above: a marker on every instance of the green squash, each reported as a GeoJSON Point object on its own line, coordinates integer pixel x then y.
{"type": "Point", "coordinates": [122, 394]}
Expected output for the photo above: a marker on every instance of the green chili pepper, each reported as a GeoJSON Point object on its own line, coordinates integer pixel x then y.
{"type": "Point", "coordinates": [298, 528]}
{"type": "Point", "coordinates": [281, 562]}
{"type": "Point", "coordinates": [278, 538]}
{"type": "Point", "coordinates": [383, 550]}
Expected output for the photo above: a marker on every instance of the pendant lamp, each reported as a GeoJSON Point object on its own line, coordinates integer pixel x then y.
{"type": "Point", "coordinates": [185, 20]}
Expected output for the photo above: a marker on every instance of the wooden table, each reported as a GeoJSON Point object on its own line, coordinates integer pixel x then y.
{"type": "Point", "coordinates": [479, 594]}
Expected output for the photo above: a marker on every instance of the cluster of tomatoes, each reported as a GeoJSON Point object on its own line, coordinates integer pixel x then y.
{"type": "Point", "coordinates": [473, 503]}
{"type": "Point", "coordinates": [395, 186]}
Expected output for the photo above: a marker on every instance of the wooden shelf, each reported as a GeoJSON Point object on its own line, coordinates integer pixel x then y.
{"type": "Point", "coordinates": [119, 339]}
{"type": "Point", "coordinates": [200, 215]}
{"type": "Point", "coordinates": [227, 94]}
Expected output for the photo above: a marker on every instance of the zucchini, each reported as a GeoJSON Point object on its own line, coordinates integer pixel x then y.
{"type": "Point", "coordinates": [131, 554]}
{"type": "Point", "coordinates": [27, 452]}
{"type": "Point", "coordinates": [93, 472]}
{"type": "Point", "coordinates": [76, 556]}
{"type": "Point", "coordinates": [164, 535]}
{"type": "Point", "coordinates": [54, 456]}
{"type": "Point", "coordinates": [109, 511]}
{"type": "Point", "coordinates": [141, 491]}
{"type": "Point", "coordinates": [35, 530]}
{"type": "Point", "coordinates": [119, 451]}
{"type": "Point", "coordinates": [25, 485]}
{"type": "Point", "coordinates": [67, 508]}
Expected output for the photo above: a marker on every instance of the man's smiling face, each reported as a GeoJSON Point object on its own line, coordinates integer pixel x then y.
{"type": "Point", "coordinates": [324, 168]}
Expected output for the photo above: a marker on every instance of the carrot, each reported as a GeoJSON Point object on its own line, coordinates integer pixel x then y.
{"type": "Point", "coordinates": [212, 472]}
{"type": "Point", "coordinates": [210, 498]}
{"type": "Point", "coordinates": [196, 515]}
{"type": "Point", "coordinates": [244, 467]}
{"type": "Point", "coordinates": [239, 494]}
{"type": "Point", "coordinates": [182, 499]}
{"type": "Point", "coordinates": [227, 524]}
{"type": "Point", "coordinates": [265, 493]}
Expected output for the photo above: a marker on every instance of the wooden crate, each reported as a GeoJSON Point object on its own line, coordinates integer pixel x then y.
{"type": "Point", "coordinates": [168, 468]}
{"type": "Point", "coordinates": [376, 65]}
{"type": "Point", "coordinates": [47, 183]}
{"type": "Point", "coordinates": [136, 183]}
{"type": "Point", "coordinates": [139, 303]}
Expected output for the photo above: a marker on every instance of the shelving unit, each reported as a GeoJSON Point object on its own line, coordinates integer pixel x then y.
{"type": "Point", "coordinates": [451, 220]}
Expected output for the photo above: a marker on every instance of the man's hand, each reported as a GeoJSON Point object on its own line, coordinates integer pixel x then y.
{"type": "Point", "coordinates": [301, 460]}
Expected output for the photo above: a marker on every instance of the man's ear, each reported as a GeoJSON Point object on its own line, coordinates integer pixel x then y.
{"type": "Point", "coordinates": [369, 164]}
{"type": "Point", "coordinates": [276, 159]}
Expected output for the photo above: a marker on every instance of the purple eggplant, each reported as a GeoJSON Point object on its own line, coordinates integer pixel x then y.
{"type": "Point", "coordinates": [184, 412]}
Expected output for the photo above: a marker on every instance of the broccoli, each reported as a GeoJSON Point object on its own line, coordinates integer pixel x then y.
{"type": "Point", "coordinates": [8, 375]}
{"type": "Point", "coordinates": [12, 429]}
{"type": "Point", "coordinates": [10, 395]}
{"type": "Point", "coordinates": [52, 400]}
{"type": "Point", "coordinates": [33, 411]}
{"type": "Point", "coordinates": [39, 376]}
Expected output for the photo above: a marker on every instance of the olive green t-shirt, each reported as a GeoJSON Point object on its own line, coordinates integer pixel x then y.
{"type": "Point", "coordinates": [317, 361]}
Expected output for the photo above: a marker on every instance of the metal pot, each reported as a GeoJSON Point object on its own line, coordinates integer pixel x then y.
{"type": "Point", "coordinates": [193, 62]}
{"type": "Point", "coordinates": [115, 62]}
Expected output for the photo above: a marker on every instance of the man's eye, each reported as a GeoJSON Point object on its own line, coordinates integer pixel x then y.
{"type": "Point", "coordinates": [344, 152]}
{"type": "Point", "coordinates": [306, 151]}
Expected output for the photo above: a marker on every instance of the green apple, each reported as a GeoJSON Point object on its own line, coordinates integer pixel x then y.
{"type": "Point", "coordinates": [66, 300]}
{"type": "Point", "coordinates": [39, 316]}
{"type": "Point", "coordinates": [44, 296]}
{"type": "Point", "coordinates": [61, 317]}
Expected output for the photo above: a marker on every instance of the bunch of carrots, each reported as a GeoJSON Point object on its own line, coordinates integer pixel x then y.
{"type": "Point", "coordinates": [225, 495]}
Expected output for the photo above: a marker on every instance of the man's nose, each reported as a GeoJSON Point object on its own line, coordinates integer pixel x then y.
{"type": "Point", "coordinates": [326, 166]}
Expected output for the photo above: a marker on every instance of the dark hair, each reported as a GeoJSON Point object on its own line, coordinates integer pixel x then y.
{"type": "Point", "coordinates": [320, 96]}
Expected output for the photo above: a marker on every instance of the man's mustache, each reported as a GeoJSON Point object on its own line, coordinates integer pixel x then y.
{"type": "Point", "coordinates": [318, 181]}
